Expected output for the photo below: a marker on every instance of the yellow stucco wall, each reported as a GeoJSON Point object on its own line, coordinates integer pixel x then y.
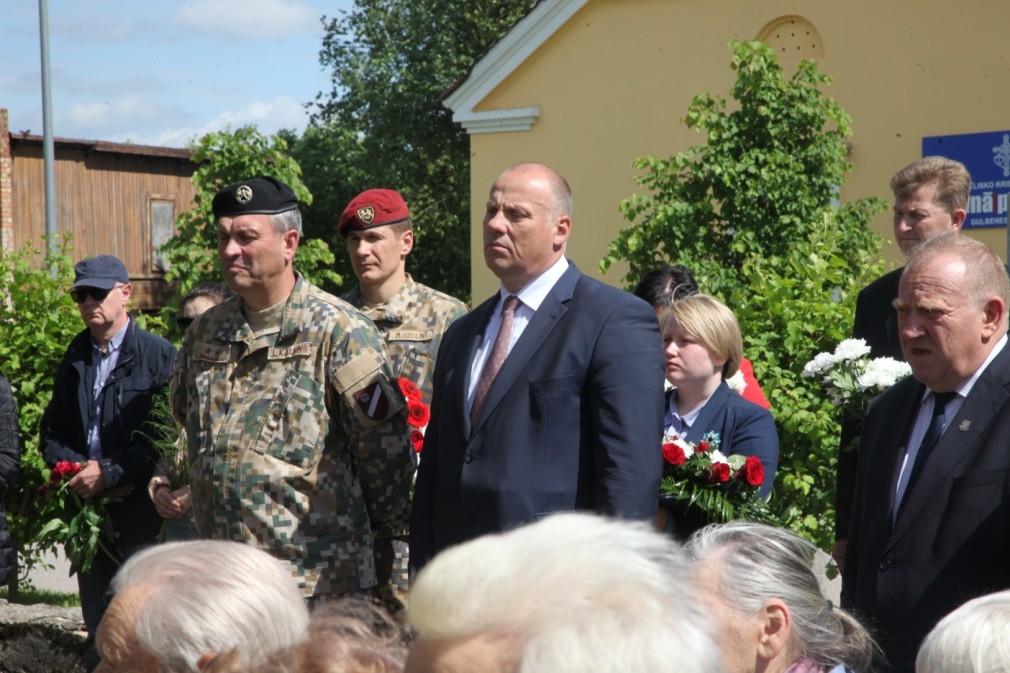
{"type": "Point", "coordinates": [615, 81]}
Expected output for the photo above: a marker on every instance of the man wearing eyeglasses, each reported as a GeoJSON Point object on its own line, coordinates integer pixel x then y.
{"type": "Point", "coordinates": [102, 395]}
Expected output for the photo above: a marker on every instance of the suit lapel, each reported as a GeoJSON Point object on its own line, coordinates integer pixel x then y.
{"type": "Point", "coordinates": [963, 432]}
{"type": "Point", "coordinates": [539, 328]}
{"type": "Point", "coordinates": [883, 463]}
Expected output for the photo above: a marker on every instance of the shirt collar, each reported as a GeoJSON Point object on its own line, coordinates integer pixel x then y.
{"type": "Point", "coordinates": [534, 293]}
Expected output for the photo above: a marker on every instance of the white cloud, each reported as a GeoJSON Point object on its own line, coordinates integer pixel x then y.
{"type": "Point", "coordinates": [250, 18]}
{"type": "Point", "coordinates": [268, 117]}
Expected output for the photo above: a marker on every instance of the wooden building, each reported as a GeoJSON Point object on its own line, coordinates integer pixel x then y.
{"type": "Point", "coordinates": [113, 198]}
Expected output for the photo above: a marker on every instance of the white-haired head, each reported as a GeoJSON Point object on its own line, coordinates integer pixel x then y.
{"type": "Point", "coordinates": [574, 592]}
{"type": "Point", "coordinates": [209, 597]}
{"type": "Point", "coordinates": [975, 638]}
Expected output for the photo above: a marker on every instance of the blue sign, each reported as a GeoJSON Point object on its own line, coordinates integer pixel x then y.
{"type": "Point", "coordinates": [987, 158]}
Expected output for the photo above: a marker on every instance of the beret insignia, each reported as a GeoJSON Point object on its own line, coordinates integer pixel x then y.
{"type": "Point", "coordinates": [244, 194]}
{"type": "Point", "coordinates": [366, 214]}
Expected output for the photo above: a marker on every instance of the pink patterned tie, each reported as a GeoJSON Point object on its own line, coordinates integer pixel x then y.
{"type": "Point", "coordinates": [495, 360]}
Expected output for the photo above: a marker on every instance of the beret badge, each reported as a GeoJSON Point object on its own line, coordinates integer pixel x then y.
{"type": "Point", "coordinates": [366, 214]}
{"type": "Point", "coordinates": [244, 194]}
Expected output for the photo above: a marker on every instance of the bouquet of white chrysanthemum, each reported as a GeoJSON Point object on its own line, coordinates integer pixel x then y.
{"type": "Point", "coordinates": [852, 378]}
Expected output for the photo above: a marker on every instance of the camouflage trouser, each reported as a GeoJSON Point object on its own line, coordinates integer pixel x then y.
{"type": "Point", "coordinates": [391, 571]}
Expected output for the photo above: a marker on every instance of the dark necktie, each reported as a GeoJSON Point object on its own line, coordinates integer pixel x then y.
{"type": "Point", "coordinates": [937, 422]}
{"type": "Point", "coordinates": [495, 360]}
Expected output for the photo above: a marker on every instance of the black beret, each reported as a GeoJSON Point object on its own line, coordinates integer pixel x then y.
{"type": "Point", "coordinates": [260, 196]}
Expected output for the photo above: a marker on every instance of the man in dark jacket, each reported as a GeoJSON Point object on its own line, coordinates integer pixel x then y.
{"type": "Point", "coordinates": [102, 396]}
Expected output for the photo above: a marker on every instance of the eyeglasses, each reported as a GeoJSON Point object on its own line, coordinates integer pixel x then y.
{"type": "Point", "coordinates": [184, 322]}
{"type": "Point", "coordinates": [80, 294]}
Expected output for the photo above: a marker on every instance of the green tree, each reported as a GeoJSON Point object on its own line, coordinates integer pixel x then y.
{"type": "Point", "coordinates": [222, 159]}
{"type": "Point", "coordinates": [753, 211]}
{"type": "Point", "coordinates": [392, 63]}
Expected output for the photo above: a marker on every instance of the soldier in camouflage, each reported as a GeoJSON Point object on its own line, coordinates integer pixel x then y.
{"type": "Point", "coordinates": [296, 428]}
{"type": "Point", "coordinates": [410, 316]}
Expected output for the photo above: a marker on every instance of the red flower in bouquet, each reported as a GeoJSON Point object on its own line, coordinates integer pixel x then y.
{"type": "Point", "coordinates": [752, 471]}
{"type": "Point", "coordinates": [673, 453]}
{"type": "Point", "coordinates": [82, 534]}
{"type": "Point", "coordinates": [719, 473]}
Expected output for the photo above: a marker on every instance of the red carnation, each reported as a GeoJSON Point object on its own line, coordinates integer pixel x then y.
{"type": "Point", "coordinates": [674, 454]}
{"type": "Point", "coordinates": [417, 439]}
{"type": "Point", "coordinates": [752, 471]}
{"type": "Point", "coordinates": [703, 446]}
{"type": "Point", "coordinates": [417, 414]}
{"type": "Point", "coordinates": [409, 390]}
{"type": "Point", "coordinates": [720, 473]}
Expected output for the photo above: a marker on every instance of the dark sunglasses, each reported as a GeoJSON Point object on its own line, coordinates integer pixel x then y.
{"type": "Point", "coordinates": [80, 294]}
{"type": "Point", "coordinates": [184, 323]}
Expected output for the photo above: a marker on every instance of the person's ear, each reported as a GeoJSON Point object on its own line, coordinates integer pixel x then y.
{"type": "Point", "coordinates": [776, 628]}
{"type": "Point", "coordinates": [406, 242]}
{"type": "Point", "coordinates": [205, 660]}
{"type": "Point", "coordinates": [994, 316]}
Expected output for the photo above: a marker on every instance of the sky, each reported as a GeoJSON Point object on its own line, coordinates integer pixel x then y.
{"type": "Point", "coordinates": [164, 72]}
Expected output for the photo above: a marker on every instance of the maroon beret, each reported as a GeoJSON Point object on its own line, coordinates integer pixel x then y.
{"type": "Point", "coordinates": [373, 208]}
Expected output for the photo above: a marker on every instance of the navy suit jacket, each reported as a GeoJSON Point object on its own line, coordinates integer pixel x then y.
{"type": "Point", "coordinates": [951, 540]}
{"type": "Point", "coordinates": [743, 427]}
{"type": "Point", "coordinates": [573, 421]}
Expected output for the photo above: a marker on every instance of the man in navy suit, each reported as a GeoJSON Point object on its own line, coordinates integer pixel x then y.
{"type": "Point", "coordinates": [930, 525]}
{"type": "Point", "coordinates": [930, 198]}
{"type": "Point", "coordinates": [573, 420]}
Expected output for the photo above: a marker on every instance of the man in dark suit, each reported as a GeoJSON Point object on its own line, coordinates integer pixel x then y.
{"type": "Point", "coordinates": [930, 198]}
{"type": "Point", "coordinates": [573, 420]}
{"type": "Point", "coordinates": [931, 521]}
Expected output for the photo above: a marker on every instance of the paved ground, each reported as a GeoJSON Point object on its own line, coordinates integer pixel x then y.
{"type": "Point", "coordinates": [57, 579]}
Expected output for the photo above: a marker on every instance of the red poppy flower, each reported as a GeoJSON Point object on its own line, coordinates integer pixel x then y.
{"type": "Point", "coordinates": [417, 414]}
{"type": "Point", "coordinates": [417, 439]}
{"type": "Point", "coordinates": [409, 390]}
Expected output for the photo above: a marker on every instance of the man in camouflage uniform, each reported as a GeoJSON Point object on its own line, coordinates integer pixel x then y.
{"type": "Point", "coordinates": [296, 428]}
{"type": "Point", "coordinates": [410, 316]}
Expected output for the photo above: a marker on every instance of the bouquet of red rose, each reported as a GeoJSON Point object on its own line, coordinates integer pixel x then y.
{"type": "Point", "coordinates": [86, 520]}
{"type": "Point", "coordinates": [712, 487]}
{"type": "Point", "coordinates": [418, 413]}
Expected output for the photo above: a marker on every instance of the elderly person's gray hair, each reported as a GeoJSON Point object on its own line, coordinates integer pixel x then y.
{"type": "Point", "coordinates": [757, 563]}
{"type": "Point", "coordinates": [211, 596]}
{"type": "Point", "coordinates": [575, 592]}
{"type": "Point", "coordinates": [975, 638]}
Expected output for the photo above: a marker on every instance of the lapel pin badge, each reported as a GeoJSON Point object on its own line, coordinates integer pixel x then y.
{"type": "Point", "coordinates": [964, 426]}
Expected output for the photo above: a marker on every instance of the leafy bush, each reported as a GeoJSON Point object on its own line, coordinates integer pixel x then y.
{"type": "Point", "coordinates": [753, 213]}
{"type": "Point", "coordinates": [37, 322]}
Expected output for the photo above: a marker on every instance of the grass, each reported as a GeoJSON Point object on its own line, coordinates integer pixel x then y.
{"type": "Point", "coordinates": [31, 596]}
